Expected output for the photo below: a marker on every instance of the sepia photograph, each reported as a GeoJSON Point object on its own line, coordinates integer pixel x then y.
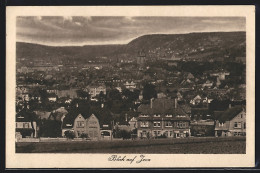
{"type": "Point", "coordinates": [130, 85]}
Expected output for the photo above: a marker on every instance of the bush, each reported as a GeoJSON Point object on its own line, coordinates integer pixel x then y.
{"type": "Point", "coordinates": [125, 134]}
{"type": "Point", "coordinates": [69, 134]}
{"type": "Point", "coordinates": [161, 136]}
{"type": "Point", "coordinates": [84, 135]}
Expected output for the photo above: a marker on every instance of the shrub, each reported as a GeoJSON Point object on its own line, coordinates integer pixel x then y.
{"type": "Point", "coordinates": [84, 135]}
{"type": "Point", "coordinates": [69, 134]}
{"type": "Point", "coordinates": [125, 134]}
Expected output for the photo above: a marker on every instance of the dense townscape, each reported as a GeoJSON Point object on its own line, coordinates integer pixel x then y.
{"type": "Point", "coordinates": [177, 88]}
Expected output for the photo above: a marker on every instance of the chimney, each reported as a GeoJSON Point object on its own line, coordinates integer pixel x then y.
{"type": "Point", "coordinates": [126, 117]}
{"type": "Point", "coordinates": [175, 103]}
{"type": "Point", "coordinates": [151, 103]}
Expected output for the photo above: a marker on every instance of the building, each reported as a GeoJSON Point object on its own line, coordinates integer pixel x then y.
{"type": "Point", "coordinates": [231, 122]}
{"type": "Point", "coordinates": [25, 124]}
{"type": "Point", "coordinates": [162, 117]}
{"type": "Point", "coordinates": [141, 58]}
{"type": "Point", "coordinates": [79, 124]}
{"type": "Point", "coordinates": [130, 85]}
{"type": "Point", "coordinates": [202, 128]}
{"type": "Point", "coordinates": [95, 90]}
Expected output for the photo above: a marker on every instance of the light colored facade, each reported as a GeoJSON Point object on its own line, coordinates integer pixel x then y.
{"type": "Point", "coordinates": [233, 127]}
{"type": "Point", "coordinates": [88, 126]}
{"type": "Point", "coordinates": [27, 126]}
{"type": "Point", "coordinates": [93, 127]}
{"type": "Point", "coordinates": [155, 126]}
{"type": "Point", "coordinates": [96, 90]}
{"type": "Point", "coordinates": [130, 85]}
{"type": "Point", "coordinates": [163, 117]}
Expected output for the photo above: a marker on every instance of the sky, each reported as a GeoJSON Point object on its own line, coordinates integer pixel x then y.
{"type": "Point", "coordinates": [96, 30]}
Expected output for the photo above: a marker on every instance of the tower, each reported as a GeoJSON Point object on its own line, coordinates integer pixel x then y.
{"type": "Point", "coordinates": [141, 58]}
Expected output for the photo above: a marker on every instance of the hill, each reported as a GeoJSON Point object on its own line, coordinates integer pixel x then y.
{"type": "Point", "coordinates": [193, 45]}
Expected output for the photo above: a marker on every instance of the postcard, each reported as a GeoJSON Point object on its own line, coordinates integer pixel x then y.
{"type": "Point", "coordinates": [130, 86]}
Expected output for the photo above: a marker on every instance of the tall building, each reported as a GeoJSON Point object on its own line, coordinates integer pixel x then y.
{"type": "Point", "coordinates": [141, 58]}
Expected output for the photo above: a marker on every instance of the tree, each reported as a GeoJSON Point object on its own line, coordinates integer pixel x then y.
{"type": "Point", "coordinates": [82, 94]}
{"type": "Point", "coordinates": [125, 134]}
{"type": "Point", "coordinates": [84, 135]}
{"type": "Point", "coordinates": [149, 92]}
{"type": "Point", "coordinates": [115, 95]}
{"type": "Point", "coordinates": [69, 134]}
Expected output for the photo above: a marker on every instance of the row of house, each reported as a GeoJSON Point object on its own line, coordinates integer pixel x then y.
{"type": "Point", "coordinates": [161, 117]}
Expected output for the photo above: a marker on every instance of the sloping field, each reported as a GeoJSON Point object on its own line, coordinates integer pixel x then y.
{"type": "Point", "coordinates": [209, 145]}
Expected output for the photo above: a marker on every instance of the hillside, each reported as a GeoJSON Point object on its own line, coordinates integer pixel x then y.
{"type": "Point", "coordinates": [193, 45]}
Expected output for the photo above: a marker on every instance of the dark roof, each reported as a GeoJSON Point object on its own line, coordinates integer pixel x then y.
{"type": "Point", "coordinates": [159, 106]}
{"type": "Point", "coordinates": [162, 107]}
{"type": "Point", "coordinates": [173, 118]}
{"type": "Point", "coordinates": [25, 115]}
{"type": "Point", "coordinates": [229, 114]}
{"type": "Point", "coordinates": [70, 117]}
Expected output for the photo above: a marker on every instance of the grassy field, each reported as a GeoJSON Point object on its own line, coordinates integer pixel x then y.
{"type": "Point", "coordinates": [211, 145]}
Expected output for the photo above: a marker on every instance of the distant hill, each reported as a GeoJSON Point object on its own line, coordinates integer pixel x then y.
{"type": "Point", "coordinates": [201, 45]}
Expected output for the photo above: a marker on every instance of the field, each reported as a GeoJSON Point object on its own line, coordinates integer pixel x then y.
{"type": "Point", "coordinates": [209, 145]}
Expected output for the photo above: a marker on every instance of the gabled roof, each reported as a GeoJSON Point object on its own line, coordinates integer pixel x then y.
{"type": "Point", "coordinates": [70, 117]}
{"type": "Point", "coordinates": [25, 115]}
{"type": "Point", "coordinates": [162, 107]}
{"type": "Point", "coordinates": [229, 114]}
{"type": "Point", "coordinates": [42, 114]}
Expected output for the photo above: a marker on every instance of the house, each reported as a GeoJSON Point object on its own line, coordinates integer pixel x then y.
{"type": "Point", "coordinates": [221, 75]}
{"type": "Point", "coordinates": [25, 124]}
{"type": "Point", "coordinates": [42, 114]}
{"type": "Point", "coordinates": [202, 128]}
{"type": "Point", "coordinates": [70, 93]}
{"type": "Point", "coordinates": [52, 97]}
{"type": "Point", "coordinates": [95, 90]}
{"type": "Point", "coordinates": [161, 95]}
{"type": "Point", "coordinates": [79, 124]}
{"type": "Point", "coordinates": [196, 100]}
{"type": "Point", "coordinates": [190, 76]}
{"type": "Point", "coordinates": [162, 117]}
{"type": "Point", "coordinates": [133, 123]}
{"type": "Point", "coordinates": [22, 92]}
{"type": "Point", "coordinates": [241, 59]}
{"type": "Point", "coordinates": [58, 114]}
{"type": "Point", "coordinates": [231, 122]}
{"type": "Point", "coordinates": [207, 84]}
{"type": "Point", "coordinates": [130, 85]}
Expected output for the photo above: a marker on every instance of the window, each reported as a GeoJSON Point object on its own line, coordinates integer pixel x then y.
{"type": "Point", "coordinates": [80, 124]}
{"type": "Point", "coordinates": [144, 124]}
{"type": "Point", "coordinates": [25, 125]}
{"type": "Point", "coordinates": [168, 115]}
{"type": "Point", "coordinates": [157, 124]}
{"type": "Point", "coordinates": [237, 125]}
{"type": "Point", "coordinates": [156, 115]}
{"type": "Point", "coordinates": [181, 124]}
{"type": "Point", "coordinates": [241, 115]}
{"type": "Point", "coordinates": [170, 133]}
{"type": "Point", "coordinates": [244, 125]}
{"type": "Point", "coordinates": [168, 124]}
{"type": "Point", "coordinates": [155, 133]}
{"type": "Point", "coordinates": [166, 133]}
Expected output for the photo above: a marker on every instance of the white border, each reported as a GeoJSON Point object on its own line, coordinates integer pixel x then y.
{"type": "Point", "coordinates": [14, 160]}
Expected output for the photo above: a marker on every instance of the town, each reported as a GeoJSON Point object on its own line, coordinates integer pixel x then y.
{"type": "Point", "coordinates": [157, 92]}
